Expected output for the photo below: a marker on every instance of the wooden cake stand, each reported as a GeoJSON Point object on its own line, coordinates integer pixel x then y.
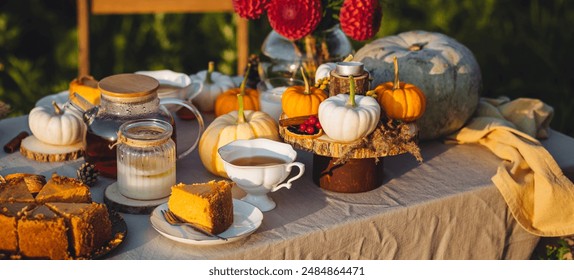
{"type": "Point", "coordinates": [361, 171]}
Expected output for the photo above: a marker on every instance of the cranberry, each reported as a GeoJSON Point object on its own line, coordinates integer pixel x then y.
{"type": "Point", "coordinates": [311, 121]}
{"type": "Point", "coordinates": [310, 130]}
{"type": "Point", "coordinates": [303, 127]}
{"type": "Point", "coordinates": [318, 125]}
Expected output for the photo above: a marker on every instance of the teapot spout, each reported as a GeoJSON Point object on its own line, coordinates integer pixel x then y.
{"type": "Point", "coordinates": [80, 102]}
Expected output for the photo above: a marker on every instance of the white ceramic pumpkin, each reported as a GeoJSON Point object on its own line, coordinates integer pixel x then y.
{"type": "Point", "coordinates": [214, 83]}
{"type": "Point", "coordinates": [324, 71]}
{"type": "Point", "coordinates": [56, 126]}
{"type": "Point", "coordinates": [348, 117]}
{"type": "Point", "coordinates": [444, 69]}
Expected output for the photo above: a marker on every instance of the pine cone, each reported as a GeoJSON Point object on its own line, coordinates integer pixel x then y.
{"type": "Point", "coordinates": [88, 174]}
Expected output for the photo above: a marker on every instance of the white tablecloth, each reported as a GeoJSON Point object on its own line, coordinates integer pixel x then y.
{"type": "Point", "coordinates": [444, 208]}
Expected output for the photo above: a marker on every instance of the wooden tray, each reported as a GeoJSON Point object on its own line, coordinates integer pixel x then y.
{"type": "Point", "coordinates": [325, 146]}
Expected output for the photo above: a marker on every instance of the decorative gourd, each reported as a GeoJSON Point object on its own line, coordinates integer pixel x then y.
{"type": "Point", "coordinates": [445, 70]}
{"type": "Point", "coordinates": [299, 101]}
{"type": "Point", "coordinates": [235, 125]}
{"type": "Point", "coordinates": [214, 83]}
{"type": "Point", "coordinates": [349, 117]}
{"type": "Point", "coordinates": [56, 126]}
{"type": "Point", "coordinates": [400, 100]}
{"type": "Point", "coordinates": [228, 101]}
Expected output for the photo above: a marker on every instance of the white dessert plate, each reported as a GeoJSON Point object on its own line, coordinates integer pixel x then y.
{"type": "Point", "coordinates": [246, 219]}
{"type": "Point", "coordinates": [60, 98]}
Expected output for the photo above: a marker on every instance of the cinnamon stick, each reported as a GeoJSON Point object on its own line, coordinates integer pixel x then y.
{"type": "Point", "coordinates": [294, 121]}
{"type": "Point", "coordinates": [14, 144]}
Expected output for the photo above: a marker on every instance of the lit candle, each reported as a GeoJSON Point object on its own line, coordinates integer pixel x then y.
{"type": "Point", "coordinates": [350, 68]}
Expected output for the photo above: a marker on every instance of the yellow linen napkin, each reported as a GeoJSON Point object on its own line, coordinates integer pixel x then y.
{"type": "Point", "coordinates": [538, 194]}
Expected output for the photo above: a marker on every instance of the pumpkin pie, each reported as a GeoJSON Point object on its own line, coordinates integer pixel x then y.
{"type": "Point", "coordinates": [87, 88]}
{"type": "Point", "coordinates": [64, 189]}
{"type": "Point", "coordinates": [89, 224]}
{"type": "Point", "coordinates": [9, 213]}
{"type": "Point", "coordinates": [209, 205]}
{"type": "Point", "coordinates": [15, 190]}
{"type": "Point", "coordinates": [42, 234]}
{"type": "Point", "coordinates": [34, 182]}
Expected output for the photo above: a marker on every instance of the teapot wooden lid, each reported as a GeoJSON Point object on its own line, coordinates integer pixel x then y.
{"type": "Point", "coordinates": [128, 85]}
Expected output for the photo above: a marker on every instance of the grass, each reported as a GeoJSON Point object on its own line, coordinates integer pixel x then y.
{"type": "Point", "coordinates": [554, 248]}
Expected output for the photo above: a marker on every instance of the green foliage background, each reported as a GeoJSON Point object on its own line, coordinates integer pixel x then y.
{"type": "Point", "coordinates": [522, 46]}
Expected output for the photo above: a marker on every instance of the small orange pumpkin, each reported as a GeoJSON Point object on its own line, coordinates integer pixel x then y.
{"type": "Point", "coordinates": [299, 101]}
{"type": "Point", "coordinates": [227, 101]}
{"type": "Point", "coordinates": [400, 100]}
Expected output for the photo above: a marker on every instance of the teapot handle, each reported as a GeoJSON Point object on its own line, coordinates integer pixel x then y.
{"type": "Point", "coordinates": [195, 89]}
{"type": "Point", "coordinates": [198, 116]}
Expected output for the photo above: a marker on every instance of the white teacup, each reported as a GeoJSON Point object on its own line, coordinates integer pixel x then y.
{"type": "Point", "coordinates": [258, 166]}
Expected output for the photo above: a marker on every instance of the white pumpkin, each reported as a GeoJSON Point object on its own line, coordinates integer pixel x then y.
{"type": "Point", "coordinates": [348, 117]}
{"type": "Point", "coordinates": [444, 69]}
{"type": "Point", "coordinates": [56, 126]}
{"type": "Point", "coordinates": [214, 83]}
{"type": "Point", "coordinates": [324, 71]}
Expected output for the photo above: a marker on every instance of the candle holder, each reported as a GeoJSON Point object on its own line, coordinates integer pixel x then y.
{"type": "Point", "coordinates": [339, 80]}
{"type": "Point", "coordinates": [270, 94]}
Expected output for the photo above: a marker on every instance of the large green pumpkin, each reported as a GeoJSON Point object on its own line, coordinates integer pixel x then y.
{"type": "Point", "coordinates": [444, 69]}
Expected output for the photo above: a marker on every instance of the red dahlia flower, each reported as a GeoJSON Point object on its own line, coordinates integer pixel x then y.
{"type": "Point", "coordinates": [294, 19]}
{"type": "Point", "coordinates": [249, 9]}
{"type": "Point", "coordinates": [361, 19]}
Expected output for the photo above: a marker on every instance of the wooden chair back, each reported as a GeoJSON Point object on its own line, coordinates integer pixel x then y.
{"type": "Point", "coordinates": [107, 7]}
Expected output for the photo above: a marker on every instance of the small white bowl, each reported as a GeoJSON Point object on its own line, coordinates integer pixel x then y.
{"type": "Point", "coordinates": [174, 85]}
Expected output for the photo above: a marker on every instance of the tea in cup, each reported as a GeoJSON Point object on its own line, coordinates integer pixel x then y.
{"type": "Point", "coordinates": [258, 166]}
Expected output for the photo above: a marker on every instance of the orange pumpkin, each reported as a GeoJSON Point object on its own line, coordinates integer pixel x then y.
{"type": "Point", "coordinates": [400, 100]}
{"type": "Point", "coordinates": [302, 100]}
{"type": "Point", "coordinates": [227, 101]}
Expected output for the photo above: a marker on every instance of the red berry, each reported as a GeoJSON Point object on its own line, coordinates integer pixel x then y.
{"type": "Point", "coordinates": [310, 130]}
{"type": "Point", "coordinates": [302, 127]}
{"type": "Point", "coordinates": [318, 125]}
{"type": "Point", "coordinates": [311, 121]}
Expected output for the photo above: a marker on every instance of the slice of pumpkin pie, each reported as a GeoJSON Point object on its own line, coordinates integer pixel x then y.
{"type": "Point", "coordinates": [43, 234]}
{"type": "Point", "coordinates": [64, 189]}
{"type": "Point", "coordinates": [34, 182]}
{"type": "Point", "coordinates": [89, 224]}
{"type": "Point", "coordinates": [15, 191]}
{"type": "Point", "coordinates": [9, 213]}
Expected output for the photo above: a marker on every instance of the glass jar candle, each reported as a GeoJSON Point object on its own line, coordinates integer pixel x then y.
{"type": "Point", "coordinates": [146, 157]}
{"type": "Point", "coordinates": [271, 92]}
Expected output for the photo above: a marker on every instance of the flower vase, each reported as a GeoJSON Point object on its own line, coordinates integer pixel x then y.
{"type": "Point", "coordinates": [286, 56]}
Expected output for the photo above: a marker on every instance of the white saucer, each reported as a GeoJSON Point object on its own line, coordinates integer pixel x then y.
{"type": "Point", "coordinates": [246, 219]}
{"type": "Point", "coordinates": [60, 98]}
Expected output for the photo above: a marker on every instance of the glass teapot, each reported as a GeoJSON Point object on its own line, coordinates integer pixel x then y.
{"type": "Point", "coordinates": [125, 97]}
